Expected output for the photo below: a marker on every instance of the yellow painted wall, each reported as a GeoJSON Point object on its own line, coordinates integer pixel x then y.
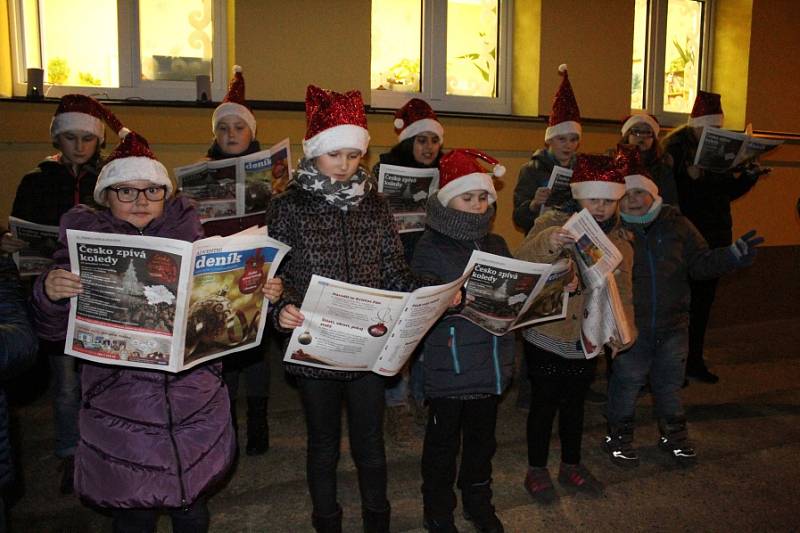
{"type": "Point", "coordinates": [5, 51]}
{"type": "Point", "coordinates": [729, 65]}
{"type": "Point", "coordinates": [527, 35]}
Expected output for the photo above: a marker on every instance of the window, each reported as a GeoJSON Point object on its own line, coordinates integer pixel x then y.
{"type": "Point", "coordinates": [670, 56]}
{"type": "Point", "coordinates": [452, 53]}
{"type": "Point", "coordinates": [149, 49]}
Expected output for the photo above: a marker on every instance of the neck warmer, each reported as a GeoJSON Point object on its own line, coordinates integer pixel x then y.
{"type": "Point", "coordinates": [648, 217]}
{"type": "Point", "coordinates": [215, 153]}
{"type": "Point", "coordinates": [457, 224]}
{"type": "Point", "coordinates": [342, 194]}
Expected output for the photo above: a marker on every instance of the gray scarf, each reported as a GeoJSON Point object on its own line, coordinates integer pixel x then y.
{"type": "Point", "coordinates": [342, 194]}
{"type": "Point", "coordinates": [457, 224]}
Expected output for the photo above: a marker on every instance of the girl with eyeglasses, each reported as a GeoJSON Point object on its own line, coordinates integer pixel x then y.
{"type": "Point", "coordinates": [641, 130]}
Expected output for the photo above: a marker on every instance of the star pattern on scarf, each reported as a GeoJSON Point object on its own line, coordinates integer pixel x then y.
{"type": "Point", "coordinates": [317, 185]}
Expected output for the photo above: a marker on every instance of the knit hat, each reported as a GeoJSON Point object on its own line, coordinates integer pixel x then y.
{"type": "Point", "coordinates": [416, 117]}
{"type": "Point", "coordinates": [629, 162]}
{"type": "Point", "coordinates": [334, 121]}
{"type": "Point", "coordinates": [596, 176]}
{"type": "Point", "coordinates": [707, 110]}
{"type": "Point", "coordinates": [234, 103]}
{"type": "Point", "coordinates": [77, 112]}
{"type": "Point", "coordinates": [460, 172]}
{"type": "Point", "coordinates": [131, 160]}
{"type": "Point", "coordinates": [640, 117]}
{"type": "Point", "coordinates": [565, 118]}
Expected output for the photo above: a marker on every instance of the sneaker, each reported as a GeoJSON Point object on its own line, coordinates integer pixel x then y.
{"type": "Point", "coordinates": [540, 486]}
{"type": "Point", "coordinates": [439, 526]}
{"type": "Point", "coordinates": [681, 451]}
{"type": "Point", "coordinates": [67, 475]}
{"type": "Point", "coordinates": [703, 375]}
{"type": "Point", "coordinates": [400, 425]}
{"type": "Point", "coordinates": [578, 477]}
{"type": "Point", "coordinates": [618, 444]}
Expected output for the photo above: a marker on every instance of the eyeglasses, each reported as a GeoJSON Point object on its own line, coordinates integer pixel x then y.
{"type": "Point", "coordinates": [131, 194]}
{"type": "Point", "coordinates": [646, 134]}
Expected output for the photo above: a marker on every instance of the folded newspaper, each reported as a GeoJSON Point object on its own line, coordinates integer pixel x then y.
{"type": "Point", "coordinates": [166, 304]}
{"type": "Point", "coordinates": [604, 320]}
{"type": "Point", "coordinates": [349, 327]}
{"type": "Point", "coordinates": [504, 293]}
{"type": "Point", "coordinates": [720, 150]}
{"type": "Point", "coordinates": [558, 184]}
{"type": "Point", "coordinates": [236, 186]}
{"type": "Point", "coordinates": [407, 190]}
{"type": "Point", "coordinates": [42, 242]}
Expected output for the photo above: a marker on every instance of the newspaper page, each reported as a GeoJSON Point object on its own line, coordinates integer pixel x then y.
{"type": "Point", "coordinates": [558, 184]}
{"type": "Point", "coordinates": [720, 150]}
{"type": "Point", "coordinates": [407, 190]}
{"type": "Point", "coordinates": [143, 295]}
{"type": "Point", "coordinates": [595, 254]}
{"type": "Point", "coordinates": [349, 327]}
{"type": "Point", "coordinates": [503, 293]}
{"type": "Point", "coordinates": [604, 319]}
{"type": "Point", "coordinates": [42, 242]}
{"type": "Point", "coordinates": [236, 186]}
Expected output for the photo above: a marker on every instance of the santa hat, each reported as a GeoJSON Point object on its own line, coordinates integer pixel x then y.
{"type": "Point", "coordinates": [707, 110]}
{"type": "Point", "coordinates": [640, 117]}
{"type": "Point", "coordinates": [234, 103]}
{"type": "Point", "coordinates": [565, 118]}
{"type": "Point", "coordinates": [334, 121]}
{"type": "Point", "coordinates": [629, 162]}
{"type": "Point", "coordinates": [416, 117]}
{"type": "Point", "coordinates": [77, 112]}
{"type": "Point", "coordinates": [596, 176]}
{"type": "Point", "coordinates": [131, 160]}
{"type": "Point", "coordinates": [460, 172]}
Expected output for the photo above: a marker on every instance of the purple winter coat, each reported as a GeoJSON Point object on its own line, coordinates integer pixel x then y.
{"type": "Point", "coordinates": [147, 438]}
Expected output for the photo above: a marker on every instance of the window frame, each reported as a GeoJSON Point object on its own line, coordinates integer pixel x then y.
{"type": "Point", "coordinates": [655, 52]}
{"type": "Point", "coordinates": [129, 62]}
{"type": "Point", "coordinates": [433, 69]}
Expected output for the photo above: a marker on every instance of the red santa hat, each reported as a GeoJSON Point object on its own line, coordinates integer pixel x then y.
{"type": "Point", "coordinates": [131, 160]}
{"type": "Point", "coordinates": [460, 172]}
{"type": "Point", "coordinates": [565, 118]}
{"type": "Point", "coordinates": [234, 103]}
{"type": "Point", "coordinates": [596, 176]}
{"type": "Point", "coordinates": [77, 112]}
{"type": "Point", "coordinates": [640, 117]}
{"type": "Point", "coordinates": [416, 117]}
{"type": "Point", "coordinates": [707, 110]}
{"type": "Point", "coordinates": [334, 121]}
{"type": "Point", "coordinates": [629, 161]}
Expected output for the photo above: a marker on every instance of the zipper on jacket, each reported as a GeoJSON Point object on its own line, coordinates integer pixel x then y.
{"type": "Point", "coordinates": [184, 503]}
{"type": "Point", "coordinates": [454, 350]}
{"type": "Point", "coordinates": [496, 359]}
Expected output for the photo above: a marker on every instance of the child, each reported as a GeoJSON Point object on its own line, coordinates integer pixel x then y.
{"type": "Point", "coordinates": [420, 136]}
{"type": "Point", "coordinates": [234, 128]}
{"type": "Point", "coordinates": [58, 183]}
{"type": "Point", "coordinates": [466, 367]}
{"type": "Point", "coordinates": [668, 252]}
{"type": "Point", "coordinates": [138, 457]}
{"type": "Point", "coordinates": [562, 139]}
{"type": "Point", "coordinates": [641, 130]}
{"type": "Point", "coordinates": [560, 374]}
{"type": "Point", "coordinates": [339, 227]}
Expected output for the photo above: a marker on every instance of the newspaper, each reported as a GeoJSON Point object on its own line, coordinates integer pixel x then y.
{"type": "Point", "coordinates": [41, 241]}
{"type": "Point", "coordinates": [595, 254]}
{"type": "Point", "coordinates": [720, 150]}
{"type": "Point", "coordinates": [167, 304]}
{"type": "Point", "coordinates": [558, 184]}
{"type": "Point", "coordinates": [237, 186]}
{"type": "Point", "coordinates": [349, 327]}
{"type": "Point", "coordinates": [504, 293]}
{"type": "Point", "coordinates": [407, 190]}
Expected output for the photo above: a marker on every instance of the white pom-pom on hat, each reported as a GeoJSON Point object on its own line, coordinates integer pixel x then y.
{"type": "Point", "coordinates": [237, 68]}
{"type": "Point", "coordinates": [499, 171]}
{"type": "Point", "coordinates": [398, 123]}
{"type": "Point", "coordinates": [123, 132]}
{"type": "Point", "coordinates": [562, 67]}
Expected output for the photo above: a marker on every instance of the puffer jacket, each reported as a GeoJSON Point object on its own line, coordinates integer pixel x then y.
{"type": "Point", "coordinates": [147, 438]}
{"type": "Point", "coordinates": [459, 357]}
{"type": "Point", "coordinates": [533, 174]}
{"type": "Point", "coordinates": [536, 248]}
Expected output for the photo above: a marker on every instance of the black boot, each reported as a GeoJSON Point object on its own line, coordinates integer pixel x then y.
{"type": "Point", "coordinates": [331, 523]}
{"type": "Point", "coordinates": [618, 443]}
{"type": "Point", "coordinates": [376, 521]}
{"type": "Point", "coordinates": [257, 426]}
{"type": "Point", "coordinates": [675, 441]}
{"type": "Point", "coordinates": [478, 509]}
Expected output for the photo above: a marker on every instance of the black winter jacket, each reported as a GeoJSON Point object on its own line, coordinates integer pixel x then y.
{"type": "Point", "coordinates": [533, 174]}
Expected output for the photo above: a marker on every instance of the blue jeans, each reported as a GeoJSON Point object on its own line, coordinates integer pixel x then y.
{"type": "Point", "coordinates": [662, 355]}
{"type": "Point", "coordinates": [66, 399]}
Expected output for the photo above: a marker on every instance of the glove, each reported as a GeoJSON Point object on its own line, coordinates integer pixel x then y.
{"type": "Point", "coordinates": [754, 171]}
{"type": "Point", "coordinates": [744, 249]}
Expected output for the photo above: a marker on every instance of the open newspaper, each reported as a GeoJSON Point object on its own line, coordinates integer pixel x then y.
{"type": "Point", "coordinates": [167, 304]}
{"type": "Point", "coordinates": [504, 293]}
{"type": "Point", "coordinates": [407, 190]}
{"type": "Point", "coordinates": [41, 241]}
{"type": "Point", "coordinates": [558, 184]}
{"type": "Point", "coordinates": [349, 327]}
{"type": "Point", "coordinates": [604, 319]}
{"type": "Point", "coordinates": [237, 186]}
{"type": "Point", "coordinates": [720, 150]}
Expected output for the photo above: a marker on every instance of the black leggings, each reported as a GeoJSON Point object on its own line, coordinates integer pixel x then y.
{"type": "Point", "coordinates": [195, 519]}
